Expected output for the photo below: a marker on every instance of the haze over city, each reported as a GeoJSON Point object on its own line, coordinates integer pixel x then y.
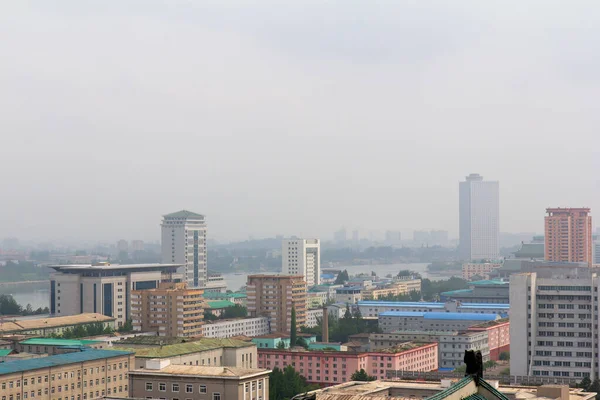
{"type": "Point", "coordinates": [295, 119]}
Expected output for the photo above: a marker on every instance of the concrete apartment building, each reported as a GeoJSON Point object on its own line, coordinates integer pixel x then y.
{"type": "Point", "coordinates": [479, 227]}
{"type": "Point", "coordinates": [313, 316]}
{"type": "Point", "coordinates": [554, 321]}
{"type": "Point", "coordinates": [568, 235]}
{"type": "Point", "coordinates": [331, 367]}
{"type": "Point", "coordinates": [160, 380]}
{"type": "Point", "coordinates": [202, 352]}
{"type": "Point", "coordinates": [183, 241]}
{"type": "Point", "coordinates": [85, 375]}
{"type": "Point", "coordinates": [482, 269]}
{"type": "Point", "coordinates": [169, 310]}
{"type": "Point", "coordinates": [302, 257]}
{"type": "Point", "coordinates": [395, 321]}
{"type": "Point", "coordinates": [486, 291]}
{"type": "Point", "coordinates": [236, 327]}
{"type": "Point", "coordinates": [273, 296]}
{"type": "Point", "coordinates": [54, 325]}
{"type": "Point", "coordinates": [369, 308]}
{"type": "Point", "coordinates": [103, 288]}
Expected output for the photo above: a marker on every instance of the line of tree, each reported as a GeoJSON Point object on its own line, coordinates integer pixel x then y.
{"type": "Point", "coordinates": [342, 278]}
{"type": "Point", "coordinates": [341, 328]}
{"type": "Point", "coordinates": [362, 376]}
{"type": "Point", "coordinates": [235, 311]}
{"type": "Point", "coordinates": [286, 383]}
{"type": "Point", "coordinates": [9, 306]}
{"type": "Point", "coordinates": [23, 271]}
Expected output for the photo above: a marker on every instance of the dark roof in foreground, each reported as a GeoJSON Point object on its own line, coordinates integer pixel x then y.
{"type": "Point", "coordinates": [57, 360]}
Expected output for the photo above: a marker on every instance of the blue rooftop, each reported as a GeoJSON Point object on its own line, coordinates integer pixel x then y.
{"type": "Point", "coordinates": [59, 359]}
{"type": "Point", "coordinates": [442, 315]}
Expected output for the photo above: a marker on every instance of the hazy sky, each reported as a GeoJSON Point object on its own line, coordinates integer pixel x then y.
{"type": "Point", "coordinates": [292, 117]}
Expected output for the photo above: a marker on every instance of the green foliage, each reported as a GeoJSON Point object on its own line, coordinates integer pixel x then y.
{"type": "Point", "coordinates": [237, 311]}
{"type": "Point", "coordinates": [23, 271]}
{"type": "Point", "coordinates": [407, 272]}
{"type": "Point", "coordinates": [339, 329]}
{"type": "Point", "coordinates": [585, 383]}
{"type": "Point", "coordinates": [94, 329]}
{"type": "Point", "coordinates": [489, 364]}
{"type": "Point", "coordinates": [342, 278]}
{"type": "Point", "coordinates": [505, 371]}
{"type": "Point", "coordinates": [285, 384]}
{"type": "Point", "coordinates": [412, 296]}
{"type": "Point", "coordinates": [361, 376]}
{"type": "Point", "coordinates": [281, 345]}
{"type": "Point", "coordinates": [461, 369]}
{"type": "Point", "coordinates": [293, 328]}
{"type": "Point", "coordinates": [505, 356]}
{"type": "Point", "coordinates": [208, 316]}
{"type": "Point", "coordinates": [9, 306]}
{"type": "Point", "coordinates": [431, 290]}
{"type": "Point", "coordinates": [301, 342]}
{"type": "Point", "coordinates": [127, 327]}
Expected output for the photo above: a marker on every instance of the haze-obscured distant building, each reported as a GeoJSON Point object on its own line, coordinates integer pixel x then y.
{"type": "Point", "coordinates": [479, 208]}
{"type": "Point", "coordinates": [568, 234]}
{"type": "Point", "coordinates": [184, 242]}
{"type": "Point", "coordinates": [137, 245]}
{"type": "Point", "coordinates": [340, 236]}
{"type": "Point", "coordinates": [393, 238]}
{"type": "Point", "coordinates": [421, 237]}
{"type": "Point", "coordinates": [439, 238]}
{"type": "Point", "coordinates": [122, 246]}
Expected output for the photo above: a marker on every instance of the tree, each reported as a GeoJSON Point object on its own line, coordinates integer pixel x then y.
{"type": "Point", "coordinates": [505, 371]}
{"type": "Point", "coordinates": [342, 278]}
{"type": "Point", "coordinates": [489, 364]}
{"type": "Point", "coordinates": [236, 311]}
{"type": "Point", "coordinates": [302, 342]}
{"type": "Point", "coordinates": [281, 345]}
{"type": "Point", "coordinates": [594, 387]}
{"type": "Point", "coordinates": [208, 316]}
{"type": "Point", "coordinates": [504, 356]}
{"type": "Point", "coordinates": [293, 331]}
{"type": "Point", "coordinates": [585, 383]}
{"type": "Point", "coordinates": [127, 326]}
{"type": "Point", "coordinates": [285, 384]}
{"type": "Point", "coordinates": [362, 376]}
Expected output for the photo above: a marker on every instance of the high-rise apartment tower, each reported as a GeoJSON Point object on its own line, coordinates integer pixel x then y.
{"type": "Point", "coordinates": [568, 235]}
{"type": "Point", "coordinates": [302, 257]}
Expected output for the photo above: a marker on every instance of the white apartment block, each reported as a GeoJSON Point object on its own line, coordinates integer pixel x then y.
{"type": "Point", "coordinates": [554, 321]}
{"type": "Point", "coordinates": [237, 327]}
{"type": "Point", "coordinates": [479, 220]}
{"type": "Point", "coordinates": [313, 316]}
{"type": "Point", "coordinates": [471, 270]}
{"type": "Point", "coordinates": [302, 257]}
{"type": "Point", "coordinates": [183, 241]}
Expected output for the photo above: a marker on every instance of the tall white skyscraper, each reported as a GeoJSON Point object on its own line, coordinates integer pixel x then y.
{"type": "Point", "coordinates": [479, 208]}
{"type": "Point", "coordinates": [184, 242]}
{"type": "Point", "coordinates": [302, 257]}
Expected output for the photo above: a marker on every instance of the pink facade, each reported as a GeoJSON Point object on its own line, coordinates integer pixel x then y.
{"type": "Point", "coordinates": [498, 336]}
{"type": "Point", "coordinates": [332, 367]}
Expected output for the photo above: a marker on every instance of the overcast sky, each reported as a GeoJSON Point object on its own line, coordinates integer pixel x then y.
{"type": "Point", "coordinates": [292, 117]}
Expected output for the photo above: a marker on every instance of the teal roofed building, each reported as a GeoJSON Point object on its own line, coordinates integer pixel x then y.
{"type": "Point", "coordinates": [235, 298]}
{"type": "Point", "coordinates": [493, 291]}
{"type": "Point", "coordinates": [217, 307]}
{"type": "Point", "coordinates": [57, 346]}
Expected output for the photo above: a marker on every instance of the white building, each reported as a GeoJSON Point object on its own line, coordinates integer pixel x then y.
{"type": "Point", "coordinates": [479, 208]}
{"type": "Point", "coordinates": [216, 284]}
{"type": "Point", "coordinates": [312, 317]}
{"type": "Point", "coordinates": [184, 242]}
{"type": "Point", "coordinates": [554, 321]}
{"type": "Point", "coordinates": [372, 308]}
{"type": "Point", "coordinates": [237, 327]}
{"type": "Point", "coordinates": [302, 257]}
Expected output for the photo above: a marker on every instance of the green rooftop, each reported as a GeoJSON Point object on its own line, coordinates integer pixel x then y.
{"type": "Point", "coordinates": [59, 342]}
{"type": "Point", "coordinates": [215, 295]}
{"type": "Point", "coordinates": [488, 282]}
{"type": "Point", "coordinates": [219, 304]}
{"type": "Point", "coordinates": [174, 350]}
{"type": "Point", "coordinates": [5, 352]}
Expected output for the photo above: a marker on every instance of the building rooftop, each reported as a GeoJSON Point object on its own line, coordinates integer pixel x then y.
{"type": "Point", "coordinates": [154, 340]}
{"type": "Point", "coordinates": [219, 304]}
{"type": "Point", "coordinates": [442, 315]}
{"type": "Point", "coordinates": [5, 352]}
{"type": "Point", "coordinates": [59, 342]}
{"type": "Point", "coordinates": [204, 344]}
{"type": "Point", "coordinates": [57, 360]}
{"type": "Point", "coordinates": [530, 250]}
{"type": "Point", "coordinates": [489, 324]}
{"type": "Point", "coordinates": [425, 304]}
{"type": "Point", "coordinates": [202, 371]}
{"type": "Point", "coordinates": [488, 282]}
{"type": "Point", "coordinates": [111, 267]}
{"type": "Point", "coordinates": [215, 295]}
{"type": "Point", "coordinates": [53, 322]}
{"type": "Point", "coordinates": [275, 335]}
{"type": "Point", "coordinates": [184, 214]}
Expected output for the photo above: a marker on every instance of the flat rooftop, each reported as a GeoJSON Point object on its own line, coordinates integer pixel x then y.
{"type": "Point", "coordinates": [59, 342]}
{"type": "Point", "coordinates": [58, 360]}
{"type": "Point", "coordinates": [173, 350]}
{"type": "Point", "coordinates": [202, 371]}
{"type": "Point", "coordinates": [111, 267]}
{"type": "Point", "coordinates": [425, 304]}
{"type": "Point", "coordinates": [453, 316]}
{"type": "Point", "coordinates": [53, 322]}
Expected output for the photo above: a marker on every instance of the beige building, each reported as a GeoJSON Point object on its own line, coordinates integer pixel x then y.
{"type": "Point", "coordinates": [170, 310]}
{"type": "Point", "coordinates": [160, 380]}
{"type": "Point", "coordinates": [103, 288]}
{"type": "Point", "coordinates": [471, 270]}
{"type": "Point", "coordinates": [274, 296]}
{"type": "Point", "coordinates": [400, 287]}
{"type": "Point", "coordinates": [203, 352]}
{"type": "Point", "coordinates": [84, 375]}
{"type": "Point", "coordinates": [55, 325]}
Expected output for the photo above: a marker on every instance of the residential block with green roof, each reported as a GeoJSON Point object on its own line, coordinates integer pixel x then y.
{"type": "Point", "coordinates": [56, 346]}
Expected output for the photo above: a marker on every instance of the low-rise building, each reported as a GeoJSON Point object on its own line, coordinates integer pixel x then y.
{"type": "Point", "coordinates": [315, 299]}
{"type": "Point", "coordinates": [218, 307]}
{"type": "Point", "coordinates": [162, 380]}
{"type": "Point", "coordinates": [235, 298]}
{"type": "Point", "coordinates": [202, 352]}
{"type": "Point", "coordinates": [215, 284]}
{"type": "Point", "coordinates": [372, 308]}
{"type": "Point", "coordinates": [348, 294]}
{"type": "Point", "coordinates": [46, 326]}
{"type": "Point", "coordinates": [481, 270]}
{"type": "Point", "coordinates": [395, 321]}
{"type": "Point", "coordinates": [87, 374]}
{"type": "Point", "coordinates": [330, 367]}
{"type": "Point", "coordinates": [313, 316]}
{"type": "Point", "coordinates": [172, 309]}
{"type": "Point", "coordinates": [486, 291]}
{"type": "Point", "coordinates": [498, 336]}
{"type": "Point", "coordinates": [56, 346]}
{"type": "Point", "coordinates": [227, 328]}
{"type": "Point", "coordinates": [275, 340]}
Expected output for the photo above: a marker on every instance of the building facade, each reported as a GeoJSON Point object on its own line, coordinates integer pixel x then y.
{"type": "Point", "coordinates": [313, 316]}
{"type": "Point", "coordinates": [486, 291]}
{"type": "Point", "coordinates": [498, 332]}
{"type": "Point", "coordinates": [54, 325]}
{"type": "Point", "coordinates": [85, 375]}
{"type": "Point", "coordinates": [395, 321]}
{"type": "Point", "coordinates": [103, 288]}
{"type": "Point", "coordinates": [331, 367]}
{"type": "Point", "coordinates": [554, 322]}
{"type": "Point", "coordinates": [273, 296]}
{"type": "Point", "coordinates": [183, 241]}
{"type": "Point", "coordinates": [348, 294]}
{"type": "Point", "coordinates": [472, 270]}
{"type": "Point", "coordinates": [237, 327]}
{"type": "Point", "coordinates": [479, 209]}
{"type": "Point", "coordinates": [160, 380]}
{"type": "Point", "coordinates": [302, 257]}
{"type": "Point", "coordinates": [369, 308]}
{"type": "Point", "coordinates": [169, 310]}
{"type": "Point", "coordinates": [568, 235]}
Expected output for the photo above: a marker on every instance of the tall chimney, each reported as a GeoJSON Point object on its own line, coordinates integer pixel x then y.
{"type": "Point", "coordinates": [325, 333]}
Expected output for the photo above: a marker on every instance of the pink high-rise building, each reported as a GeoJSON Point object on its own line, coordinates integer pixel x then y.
{"type": "Point", "coordinates": [568, 235]}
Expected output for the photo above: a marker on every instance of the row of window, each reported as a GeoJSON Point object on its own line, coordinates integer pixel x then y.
{"type": "Point", "coordinates": [175, 387]}
{"type": "Point", "coordinates": [32, 394]}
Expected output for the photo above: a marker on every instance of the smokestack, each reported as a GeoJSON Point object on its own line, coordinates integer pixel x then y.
{"type": "Point", "coordinates": [325, 333]}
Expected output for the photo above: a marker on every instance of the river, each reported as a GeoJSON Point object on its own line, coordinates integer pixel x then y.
{"type": "Point", "coordinates": [38, 295]}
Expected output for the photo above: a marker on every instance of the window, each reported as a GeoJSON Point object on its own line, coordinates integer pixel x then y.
{"type": "Point", "coordinates": [216, 396]}
{"type": "Point", "coordinates": [175, 387]}
{"type": "Point", "coordinates": [202, 388]}
{"type": "Point", "coordinates": [162, 387]}
{"type": "Point", "coordinates": [189, 388]}
{"type": "Point", "coordinates": [148, 386]}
